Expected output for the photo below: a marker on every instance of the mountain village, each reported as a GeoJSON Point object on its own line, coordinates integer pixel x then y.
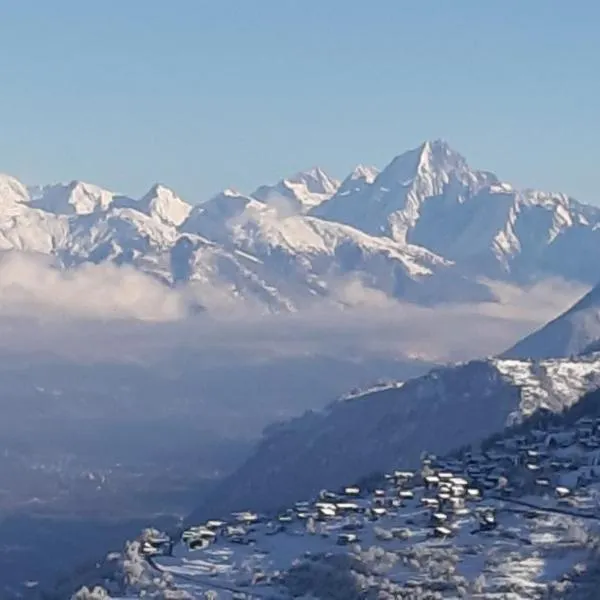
{"type": "Point", "coordinates": [515, 516]}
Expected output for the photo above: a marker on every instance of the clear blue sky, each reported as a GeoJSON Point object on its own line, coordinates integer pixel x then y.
{"type": "Point", "coordinates": [203, 95]}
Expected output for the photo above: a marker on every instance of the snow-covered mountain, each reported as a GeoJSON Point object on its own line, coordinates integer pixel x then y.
{"type": "Point", "coordinates": [382, 429]}
{"type": "Point", "coordinates": [76, 197]}
{"type": "Point", "coordinates": [299, 193]}
{"type": "Point", "coordinates": [305, 257]}
{"type": "Point", "coordinates": [162, 203]}
{"type": "Point", "coordinates": [575, 331]}
{"type": "Point", "coordinates": [431, 197]}
{"type": "Point", "coordinates": [427, 228]}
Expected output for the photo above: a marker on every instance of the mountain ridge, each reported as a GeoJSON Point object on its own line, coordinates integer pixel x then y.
{"type": "Point", "coordinates": [390, 427]}
{"type": "Point", "coordinates": [427, 228]}
{"type": "Point", "coordinates": [575, 331]}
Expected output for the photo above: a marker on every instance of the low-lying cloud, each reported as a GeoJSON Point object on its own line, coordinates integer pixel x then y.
{"type": "Point", "coordinates": [140, 316]}
{"type": "Point", "coordinates": [29, 285]}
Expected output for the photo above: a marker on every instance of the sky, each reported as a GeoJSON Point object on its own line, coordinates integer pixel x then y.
{"type": "Point", "coordinates": [207, 94]}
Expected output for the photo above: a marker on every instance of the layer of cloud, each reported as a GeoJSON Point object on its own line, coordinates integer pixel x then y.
{"type": "Point", "coordinates": [140, 317]}
{"type": "Point", "coordinates": [29, 285]}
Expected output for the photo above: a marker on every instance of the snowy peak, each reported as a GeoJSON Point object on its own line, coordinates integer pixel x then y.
{"type": "Point", "coordinates": [390, 204]}
{"type": "Point", "coordinates": [300, 192]}
{"type": "Point", "coordinates": [215, 218]}
{"type": "Point", "coordinates": [227, 205]}
{"type": "Point", "coordinates": [315, 180]}
{"type": "Point", "coordinates": [12, 190]}
{"type": "Point", "coordinates": [363, 172]}
{"type": "Point", "coordinates": [161, 202]}
{"type": "Point", "coordinates": [438, 154]}
{"type": "Point", "coordinates": [74, 198]}
{"type": "Point", "coordinates": [431, 158]}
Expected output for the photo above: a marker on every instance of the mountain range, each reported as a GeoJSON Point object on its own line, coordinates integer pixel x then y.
{"type": "Point", "coordinates": [427, 228]}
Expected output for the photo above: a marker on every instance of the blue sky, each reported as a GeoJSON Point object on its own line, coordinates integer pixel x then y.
{"type": "Point", "coordinates": [203, 95]}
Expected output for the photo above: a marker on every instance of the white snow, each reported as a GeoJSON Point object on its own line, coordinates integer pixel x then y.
{"type": "Point", "coordinates": [426, 228]}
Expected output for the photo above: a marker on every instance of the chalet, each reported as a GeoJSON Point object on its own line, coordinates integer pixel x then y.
{"type": "Point", "coordinates": [455, 502]}
{"type": "Point", "coordinates": [442, 532]}
{"type": "Point", "coordinates": [461, 511]}
{"type": "Point", "coordinates": [458, 491]}
{"type": "Point", "coordinates": [430, 502]}
{"type": "Point", "coordinates": [344, 539]}
{"type": "Point", "coordinates": [473, 494]}
{"type": "Point", "coordinates": [325, 506]}
{"type": "Point", "coordinates": [439, 518]}
{"type": "Point", "coordinates": [199, 533]}
{"type": "Point", "coordinates": [327, 513]}
{"type": "Point", "coordinates": [431, 481]}
{"type": "Point", "coordinates": [378, 511]}
{"type": "Point", "coordinates": [533, 467]}
{"type": "Point", "coordinates": [246, 517]}
{"type": "Point", "coordinates": [459, 481]}
{"type": "Point", "coordinates": [347, 507]}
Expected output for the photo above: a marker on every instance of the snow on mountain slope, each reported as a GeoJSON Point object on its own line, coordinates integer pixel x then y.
{"type": "Point", "coordinates": [75, 197]}
{"type": "Point", "coordinates": [218, 278]}
{"type": "Point", "coordinates": [12, 191]}
{"type": "Point", "coordinates": [162, 203]}
{"type": "Point", "coordinates": [515, 516]}
{"type": "Point", "coordinates": [573, 332]}
{"type": "Point", "coordinates": [361, 177]}
{"type": "Point", "coordinates": [121, 235]}
{"type": "Point", "coordinates": [299, 193]}
{"type": "Point", "coordinates": [220, 217]}
{"type": "Point", "coordinates": [313, 255]}
{"type": "Point", "coordinates": [390, 428]}
{"type": "Point", "coordinates": [430, 196]}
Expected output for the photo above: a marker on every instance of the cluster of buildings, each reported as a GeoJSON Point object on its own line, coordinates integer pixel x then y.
{"type": "Point", "coordinates": [541, 469]}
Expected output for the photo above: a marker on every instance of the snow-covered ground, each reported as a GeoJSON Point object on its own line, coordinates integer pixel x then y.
{"type": "Point", "coordinates": [517, 517]}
